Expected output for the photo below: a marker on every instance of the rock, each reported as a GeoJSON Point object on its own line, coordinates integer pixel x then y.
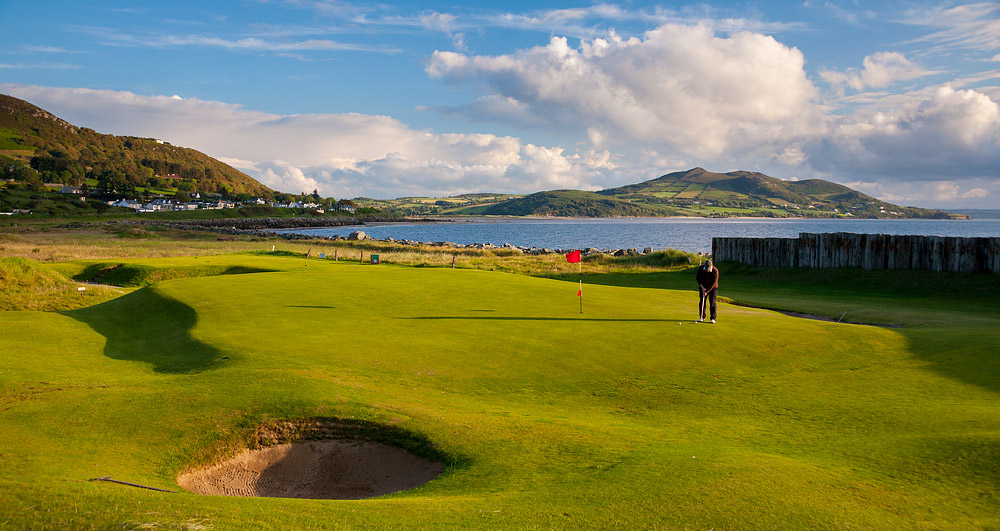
{"type": "Point", "coordinates": [358, 235]}
{"type": "Point", "coordinates": [619, 252]}
{"type": "Point", "coordinates": [647, 250]}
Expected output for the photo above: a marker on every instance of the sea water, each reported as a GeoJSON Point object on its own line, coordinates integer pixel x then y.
{"type": "Point", "coordinates": [686, 234]}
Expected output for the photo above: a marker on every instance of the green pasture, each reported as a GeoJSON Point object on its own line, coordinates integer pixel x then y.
{"type": "Point", "coordinates": [628, 415]}
{"type": "Point", "coordinates": [475, 210]}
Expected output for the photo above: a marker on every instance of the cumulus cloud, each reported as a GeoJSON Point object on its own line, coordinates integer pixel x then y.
{"type": "Point", "coordinates": [343, 155]}
{"type": "Point", "coordinates": [951, 133]}
{"type": "Point", "coordinates": [683, 86]}
{"type": "Point", "coordinates": [879, 70]}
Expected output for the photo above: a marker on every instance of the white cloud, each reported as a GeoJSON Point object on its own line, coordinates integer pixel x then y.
{"type": "Point", "coordinates": [682, 86]}
{"type": "Point", "coordinates": [971, 26]}
{"type": "Point", "coordinates": [47, 49]}
{"type": "Point", "coordinates": [444, 23]}
{"type": "Point", "coordinates": [948, 134]}
{"type": "Point", "coordinates": [879, 70]}
{"type": "Point", "coordinates": [839, 12]}
{"type": "Point", "coordinates": [949, 191]}
{"type": "Point", "coordinates": [583, 22]}
{"type": "Point", "coordinates": [115, 37]}
{"type": "Point", "coordinates": [256, 44]}
{"type": "Point", "coordinates": [344, 155]}
{"type": "Point", "coordinates": [936, 194]}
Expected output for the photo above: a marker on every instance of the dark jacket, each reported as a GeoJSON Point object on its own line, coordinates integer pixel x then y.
{"type": "Point", "coordinates": [707, 280]}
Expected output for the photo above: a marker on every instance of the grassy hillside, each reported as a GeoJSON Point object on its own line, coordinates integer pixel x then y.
{"type": "Point", "coordinates": [571, 203]}
{"type": "Point", "coordinates": [701, 192]}
{"type": "Point", "coordinates": [628, 415]}
{"type": "Point", "coordinates": [69, 154]}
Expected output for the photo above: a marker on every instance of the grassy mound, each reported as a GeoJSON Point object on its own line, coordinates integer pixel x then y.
{"type": "Point", "coordinates": [27, 285]}
{"type": "Point", "coordinates": [133, 274]}
{"type": "Point", "coordinates": [627, 415]}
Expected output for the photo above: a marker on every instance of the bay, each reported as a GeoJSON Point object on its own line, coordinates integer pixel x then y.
{"type": "Point", "coordinates": [686, 234]}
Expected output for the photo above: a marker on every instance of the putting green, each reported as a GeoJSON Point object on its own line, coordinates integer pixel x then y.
{"type": "Point", "coordinates": [626, 415]}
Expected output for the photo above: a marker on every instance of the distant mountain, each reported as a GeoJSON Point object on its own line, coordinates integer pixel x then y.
{"type": "Point", "coordinates": [64, 153]}
{"type": "Point", "coordinates": [696, 192]}
{"type": "Point", "coordinates": [743, 193]}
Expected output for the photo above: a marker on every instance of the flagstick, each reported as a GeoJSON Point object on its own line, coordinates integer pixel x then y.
{"type": "Point", "coordinates": [581, 286]}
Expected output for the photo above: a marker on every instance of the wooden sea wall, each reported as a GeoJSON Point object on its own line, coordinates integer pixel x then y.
{"type": "Point", "coordinates": [865, 251]}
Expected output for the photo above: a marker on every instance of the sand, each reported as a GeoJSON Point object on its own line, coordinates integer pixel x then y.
{"type": "Point", "coordinates": [329, 470]}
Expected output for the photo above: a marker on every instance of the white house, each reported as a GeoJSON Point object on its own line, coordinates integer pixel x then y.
{"type": "Point", "coordinates": [158, 205]}
{"type": "Point", "coordinates": [127, 203]}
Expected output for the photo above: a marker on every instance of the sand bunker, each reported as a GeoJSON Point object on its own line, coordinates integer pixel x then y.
{"type": "Point", "coordinates": [328, 470]}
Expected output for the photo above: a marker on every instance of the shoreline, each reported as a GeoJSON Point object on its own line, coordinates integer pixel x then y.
{"type": "Point", "coordinates": [615, 238]}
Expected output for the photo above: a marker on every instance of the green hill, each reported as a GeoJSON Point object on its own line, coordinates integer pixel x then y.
{"type": "Point", "coordinates": [63, 153]}
{"type": "Point", "coordinates": [701, 192]}
{"type": "Point", "coordinates": [572, 203]}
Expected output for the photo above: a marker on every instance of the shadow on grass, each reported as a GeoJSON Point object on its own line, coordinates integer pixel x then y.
{"type": "Point", "coordinates": [965, 354]}
{"type": "Point", "coordinates": [150, 327]}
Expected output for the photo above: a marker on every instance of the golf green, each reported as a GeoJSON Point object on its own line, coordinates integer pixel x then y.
{"type": "Point", "coordinates": [625, 415]}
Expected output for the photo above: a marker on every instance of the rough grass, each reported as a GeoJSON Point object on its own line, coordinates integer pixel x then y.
{"type": "Point", "coordinates": [132, 274]}
{"type": "Point", "coordinates": [27, 285]}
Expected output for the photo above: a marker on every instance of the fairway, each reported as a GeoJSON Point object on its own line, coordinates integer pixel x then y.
{"type": "Point", "coordinates": [628, 415]}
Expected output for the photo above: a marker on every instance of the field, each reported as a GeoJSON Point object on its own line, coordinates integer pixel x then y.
{"type": "Point", "coordinates": [628, 415]}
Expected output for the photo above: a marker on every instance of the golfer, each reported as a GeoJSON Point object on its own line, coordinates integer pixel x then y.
{"type": "Point", "coordinates": [708, 288]}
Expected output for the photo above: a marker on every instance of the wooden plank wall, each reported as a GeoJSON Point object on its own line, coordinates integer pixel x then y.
{"type": "Point", "coordinates": [865, 251]}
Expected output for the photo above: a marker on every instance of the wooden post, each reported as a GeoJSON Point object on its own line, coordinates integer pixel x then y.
{"type": "Point", "coordinates": [336, 255]}
{"type": "Point", "coordinates": [453, 261]}
{"type": "Point", "coordinates": [362, 259]}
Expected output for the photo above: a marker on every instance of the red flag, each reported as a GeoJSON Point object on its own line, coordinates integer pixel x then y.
{"type": "Point", "coordinates": [573, 257]}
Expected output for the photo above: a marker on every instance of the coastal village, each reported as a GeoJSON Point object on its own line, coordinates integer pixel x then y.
{"type": "Point", "coordinates": [165, 204]}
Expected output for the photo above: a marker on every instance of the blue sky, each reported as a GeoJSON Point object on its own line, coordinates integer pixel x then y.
{"type": "Point", "coordinates": [899, 100]}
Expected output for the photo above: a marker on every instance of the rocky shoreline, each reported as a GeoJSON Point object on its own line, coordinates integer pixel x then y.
{"type": "Point", "coordinates": [268, 228]}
